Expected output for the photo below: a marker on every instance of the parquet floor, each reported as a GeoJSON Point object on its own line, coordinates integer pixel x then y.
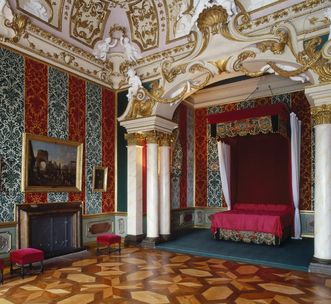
{"type": "Point", "coordinates": [152, 276]}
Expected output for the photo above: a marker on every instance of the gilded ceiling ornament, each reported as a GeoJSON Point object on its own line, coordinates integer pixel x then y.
{"type": "Point", "coordinates": [38, 9]}
{"type": "Point", "coordinates": [321, 114]}
{"type": "Point", "coordinates": [198, 67]}
{"type": "Point", "coordinates": [327, 15]}
{"type": "Point", "coordinates": [130, 51]}
{"type": "Point", "coordinates": [276, 47]}
{"type": "Point", "coordinates": [239, 67]}
{"type": "Point", "coordinates": [143, 102]}
{"type": "Point", "coordinates": [88, 18]}
{"type": "Point", "coordinates": [102, 48]}
{"type": "Point", "coordinates": [144, 24]}
{"type": "Point", "coordinates": [169, 72]}
{"type": "Point", "coordinates": [286, 71]}
{"type": "Point", "coordinates": [18, 25]}
{"type": "Point", "coordinates": [221, 64]}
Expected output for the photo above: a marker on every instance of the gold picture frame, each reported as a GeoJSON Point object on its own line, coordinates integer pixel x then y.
{"type": "Point", "coordinates": [51, 164]}
{"type": "Point", "coordinates": [100, 177]}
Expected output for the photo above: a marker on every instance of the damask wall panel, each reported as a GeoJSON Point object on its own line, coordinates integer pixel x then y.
{"type": "Point", "coordinates": [93, 144]}
{"type": "Point", "coordinates": [176, 165]}
{"type": "Point", "coordinates": [301, 107]}
{"type": "Point", "coordinates": [108, 148]}
{"type": "Point", "coordinates": [190, 156]}
{"type": "Point", "coordinates": [144, 24]}
{"type": "Point", "coordinates": [11, 129]}
{"type": "Point", "coordinates": [57, 115]}
{"type": "Point", "coordinates": [214, 179]}
{"type": "Point", "coordinates": [183, 142]}
{"type": "Point", "coordinates": [77, 115]}
{"type": "Point", "coordinates": [201, 145]}
{"type": "Point", "coordinates": [88, 18]}
{"type": "Point", "coordinates": [36, 109]}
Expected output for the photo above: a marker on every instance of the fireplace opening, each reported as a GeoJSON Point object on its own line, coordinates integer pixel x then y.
{"type": "Point", "coordinates": [54, 228]}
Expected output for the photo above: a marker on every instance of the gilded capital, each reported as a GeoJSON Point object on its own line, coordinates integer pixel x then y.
{"type": "Point", "coordinates": [165, 139]}
{"type": "Point", "coordinates": [321, 114]}
{"type": "Point", "coordinates": [151, 137]}
{"type": "Point", "coordinates": [134, 139]}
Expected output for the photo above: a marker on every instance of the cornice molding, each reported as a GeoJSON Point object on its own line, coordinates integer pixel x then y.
{"type": "Point", "coordinates": [319, 95]}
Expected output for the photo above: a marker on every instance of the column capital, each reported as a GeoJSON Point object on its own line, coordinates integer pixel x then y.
{"type": "Point", "coordinates": [151, 137]}
{"type": "Point", "coordinates": [165, 139]}
{"type": "Point", "coordinates": [321, 114]}
{"type": "Point", "coordinates": [134, 139]}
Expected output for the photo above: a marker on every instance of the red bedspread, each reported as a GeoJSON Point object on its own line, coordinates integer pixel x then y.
{"type": "Point", "coordinates": [255, 217]}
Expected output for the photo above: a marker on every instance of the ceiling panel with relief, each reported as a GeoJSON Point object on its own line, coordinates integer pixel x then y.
{"type": "Point", "coordinates": [152, 25]}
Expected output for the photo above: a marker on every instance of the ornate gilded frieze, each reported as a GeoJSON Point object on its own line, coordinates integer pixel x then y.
{"type": "Point", "coordinates": [144, 24]}
{"type": "Point", "coordinates": [47, 11]}
{"type": "Point", "coordinates": [321, 114]}
{"type": "Point", "coordinates": [88, 18]}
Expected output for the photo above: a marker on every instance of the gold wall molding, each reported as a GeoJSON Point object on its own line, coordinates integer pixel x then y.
{"type": "Point", "coordinates": [321, 114]}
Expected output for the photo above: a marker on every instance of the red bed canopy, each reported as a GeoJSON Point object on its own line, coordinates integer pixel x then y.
{"type": "Point", "coordinates": [260, 164]}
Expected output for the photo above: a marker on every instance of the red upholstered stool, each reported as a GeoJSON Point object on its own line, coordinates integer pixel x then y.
{"type": "Point", "coordinates": [1, 270]}
{"type": "Point", "coordinates": [108, 239]}
{"type": "Point", "coordinates": [26, 256]}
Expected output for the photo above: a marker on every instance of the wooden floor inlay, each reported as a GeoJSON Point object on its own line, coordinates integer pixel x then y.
{"type": "Point", "coordinates": [156, 277]}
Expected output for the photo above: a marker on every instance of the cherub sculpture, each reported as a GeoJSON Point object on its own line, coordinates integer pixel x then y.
{"type": "Point", "coordinates": [134, 84]}
{"type": "Point", "coordinates": [102, 48]}
{"type": "Point", "coordinates": [130, 51]}
{"type": "Point", "coordinates": [36, 8]}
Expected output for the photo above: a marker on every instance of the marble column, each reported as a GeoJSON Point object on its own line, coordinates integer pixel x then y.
{"type": "Point", "coordinates": [322, 121]}
{"type": "Point", "coordinates": [152, 190]}
{"type": "Point", "coordinates": [134, 189]}
{"type": "Point", "coordinates": [320, 100]}
{"type": "Point", "coordinates": [165, 187]}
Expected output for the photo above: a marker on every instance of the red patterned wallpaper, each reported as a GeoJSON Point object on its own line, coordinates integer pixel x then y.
{"type": "Point", "coordinates": [108, 148]}
{"type": "Point", "coordinates": [201, 157]}
{"type": "Point", "coordinates": [77, 115]}
{"type": "Point", "coordinates": [183, 141]}
{"type": "Point", "coordinates": [36, 108]}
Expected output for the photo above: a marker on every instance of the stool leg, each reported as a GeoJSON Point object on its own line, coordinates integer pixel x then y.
{"type": "Point", "coordinates": [2, 276]}
{"type": "Point", "coordinates": [109, 246]}
{"type": "Point", "coordinates": [42, 266]}
{"type": "Point", "coordinates": [11, 268]}
{"type": "Point", "coordinates": [22, 271]}
{"type": "Point", "coordinates": [30, 266]}
{"type": "Point", "coordinates": [119, 247]}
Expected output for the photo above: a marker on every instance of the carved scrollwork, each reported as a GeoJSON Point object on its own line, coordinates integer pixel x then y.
{"type": "Point", "coordinates": [170, 73]}
{"type": "Point", "coordinates": [239, 67]}
{"type": "Point", "coordinates": [321, 114]}
{"type": "Point", "coordinates": [276, 47]}
{"type": "Point", "coordinates": [18, 25]}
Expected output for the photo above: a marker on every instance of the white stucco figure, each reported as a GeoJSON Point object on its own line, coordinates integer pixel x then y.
{"type": "Point", "coordinates": [183, 22]}
{"type": "Point", "coordinates": [36, 8]}
{"type": "Point", "coordinates": [102, 48]}
{"type": "Point", "coordinates": [130, 51]}
{"type": "Point", "coordinates": [228, 5]}
{"type": "Point", "coordinates": [300, 77]}
{"type": "Point", "coordinates": [327, 14]}
{"type": "Point", "coordinates": [134, 84]}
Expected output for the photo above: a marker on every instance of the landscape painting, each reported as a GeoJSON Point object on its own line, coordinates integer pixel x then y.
{"type": "Point", "coordinates": [51, 164]}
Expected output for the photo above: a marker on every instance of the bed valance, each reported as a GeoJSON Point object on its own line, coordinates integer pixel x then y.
{"type": "Point", "coordinates": [261, 120]}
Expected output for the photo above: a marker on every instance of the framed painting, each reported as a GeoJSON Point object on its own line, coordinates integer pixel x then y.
{"type": "Point", "coordinates": [51, 165]}
{"type": "Point", "coordinates": [100, 175]}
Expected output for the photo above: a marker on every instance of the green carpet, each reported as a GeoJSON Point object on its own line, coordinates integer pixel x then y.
{"type": "Point", "coordinates": [292, 254]}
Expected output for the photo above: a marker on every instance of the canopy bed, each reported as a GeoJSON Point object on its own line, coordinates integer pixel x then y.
{"type": "Point", "coordinates": [259, 165]}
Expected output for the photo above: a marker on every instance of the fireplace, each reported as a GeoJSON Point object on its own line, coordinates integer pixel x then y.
{"type": "Point", "coordinates": [54, 228]}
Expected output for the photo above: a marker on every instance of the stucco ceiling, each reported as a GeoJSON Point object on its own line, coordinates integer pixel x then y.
{"type": "Point", "coordinates": [150, 24]}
